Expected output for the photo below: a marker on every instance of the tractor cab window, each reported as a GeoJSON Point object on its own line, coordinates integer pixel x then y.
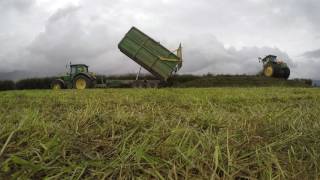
{"type": "Point", "coordinates": [78, 69]}
{"type": "Point", "coordinates": [82, 69]}
{"type": "Point", "coordinates": [273, 58]}
{"type": "Point", "coordinates": [73, 70]}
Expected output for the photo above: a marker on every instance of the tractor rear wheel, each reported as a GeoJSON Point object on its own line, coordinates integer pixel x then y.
{"type": "Point", "coordinates": [57, 84]}
{"type": "Point", "coordinates": [82, 82]}
{"type": "Point", "coordinates": [286, 73]}
{"type": "Point", "coordinates": [268, 71]}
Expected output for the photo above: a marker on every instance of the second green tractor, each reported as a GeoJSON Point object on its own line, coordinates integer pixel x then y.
{"type": "Point", "coordinates": [273, 67]}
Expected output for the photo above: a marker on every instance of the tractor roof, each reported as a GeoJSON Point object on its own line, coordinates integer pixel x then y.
{"type": "Point", "coordinates": [78, 65]}
{"type": "Point", "coordinates": [270, 56]}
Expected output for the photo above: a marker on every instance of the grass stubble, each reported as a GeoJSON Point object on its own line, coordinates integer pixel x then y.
{"type": "Point", "coordinates": [214, 133]}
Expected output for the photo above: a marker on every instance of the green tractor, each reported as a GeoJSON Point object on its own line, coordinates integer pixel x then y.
{"type": "Point", "coordinates": [78, 77]}
{"type": "Point", "coordinates": [272, 67]}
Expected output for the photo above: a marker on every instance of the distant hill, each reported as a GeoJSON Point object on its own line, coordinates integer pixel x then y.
{"type": "Point", "coordinates": [186, 80]}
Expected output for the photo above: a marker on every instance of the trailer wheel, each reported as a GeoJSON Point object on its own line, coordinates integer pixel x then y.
{"type": "Point", "coordinates": [82, 82]}
{"type": "Point", "coordinates": [135, 84]}
{"type": "Point", "coordinates": [138, 84]}
{"type": "Point", "coordinates": [141, 84]}
{"type": "Point", "coordinates": [152, 85]}
{"type": "Point", "coordinates": [156, 85]}
{"type": "Point", "coordinates": [149, 85]}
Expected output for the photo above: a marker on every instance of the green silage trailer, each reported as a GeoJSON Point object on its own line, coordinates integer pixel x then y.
{"type": "Point", "coordinates": [150, 54]}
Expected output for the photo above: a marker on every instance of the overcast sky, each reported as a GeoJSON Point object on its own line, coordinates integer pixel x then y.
{"type": "Point", "coordinates": [219, 37]}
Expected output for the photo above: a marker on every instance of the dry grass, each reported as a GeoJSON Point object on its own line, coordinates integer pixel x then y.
{"type": "Point", "coordinates": [227, 133]}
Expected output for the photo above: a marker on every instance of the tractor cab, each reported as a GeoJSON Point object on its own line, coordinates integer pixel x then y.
{"type": "Point", "coordinates": [78, 68]}
{"type": "Point", "coordinates": [269, 58]}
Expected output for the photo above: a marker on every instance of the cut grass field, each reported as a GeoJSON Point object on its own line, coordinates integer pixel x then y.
{"type": "Point", "coordinates": [228, 133]}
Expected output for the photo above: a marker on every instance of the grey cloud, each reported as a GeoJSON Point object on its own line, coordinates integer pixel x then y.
{"type": "Point", "coordinates": [19, 5]}
{"type": "Point", "coordinates": [63, 14]}
{"type": "Point", "coordinates": [66, 39]}
{"type": "Point", "coordinates": [308, 68]}
{"type": "Point", "coordinates": [308, 9]}
{"type": "Point", "coordinates": [308, 65]}
{"type": "Point", "coordinates": [312, 54]}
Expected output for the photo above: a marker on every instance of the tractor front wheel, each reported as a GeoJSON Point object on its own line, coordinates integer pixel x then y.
{"type": "Point", "coordinates": [82, 82]}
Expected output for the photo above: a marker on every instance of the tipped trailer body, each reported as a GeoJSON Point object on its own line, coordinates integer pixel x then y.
{"type": "Point", "coordinates": [150, 54]}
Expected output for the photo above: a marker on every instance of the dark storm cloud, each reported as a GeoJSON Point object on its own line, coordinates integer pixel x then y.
{"type": "Point", "coordinates": [67, 39]}
{"type": "Point", "coordinates": [219, 37]}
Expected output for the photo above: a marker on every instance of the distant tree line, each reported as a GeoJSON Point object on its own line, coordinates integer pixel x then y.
{"type": "Point", "coordinates": [185, 80]}
{"type": "Point", "coordinates": [30, 83]}
{"type": "Point", "coordinates": [35, 83]}
{"type": "Point", "coordinates": [7, 85]}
